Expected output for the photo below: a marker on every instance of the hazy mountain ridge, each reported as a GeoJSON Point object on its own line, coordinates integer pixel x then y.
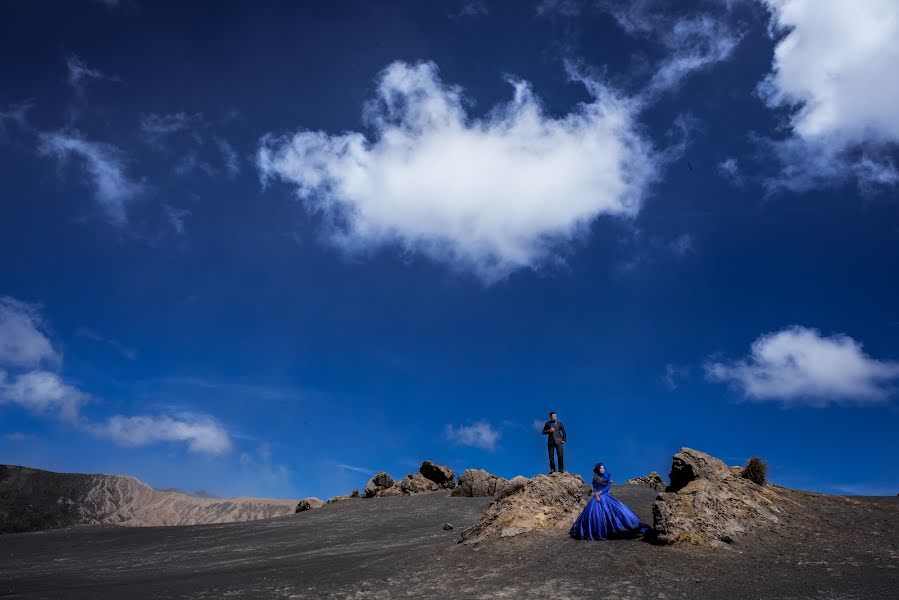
{"type": "Point", "coordinates": [32, 499]}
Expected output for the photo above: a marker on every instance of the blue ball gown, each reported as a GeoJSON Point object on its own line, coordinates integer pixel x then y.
{"type": "Point", "coordinates": [607, 517]}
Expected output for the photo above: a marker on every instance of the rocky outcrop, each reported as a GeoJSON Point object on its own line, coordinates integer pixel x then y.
{"type": "Point", "coordinates": [543, 502]}
{"type": "Point", "coordinates": [688, 465]}
{"type": "Point", "coordinates": [309, 504]}
{"type": "Point", "coordinates": [32, 499]}
{"type": "Point", "coordinates": [653, 480]}
{"type": "Point", "coordinates": [429, 478]}
{"type": "Point", "coordinates": [442, 476]}
{"type": "Point", "coordinates": [479, 483]}
{"type": "Point", "coordinates": [707, 503]}
{"type": "Point", "coordinates": [380, 482]}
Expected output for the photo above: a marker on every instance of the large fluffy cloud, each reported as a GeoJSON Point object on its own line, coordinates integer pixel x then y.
{"type": "Point", "coordinates": [202, 434]}
{"type": "Point", "coordinates": [799, 365]}
{"type": "Point", "coordinates": [492, 194]}
{"type": "Point", "coordinates": [43, 393]}
{"type": "Point", "coordinates": [835, 71]}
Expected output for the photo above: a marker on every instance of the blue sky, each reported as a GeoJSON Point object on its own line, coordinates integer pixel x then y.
{"type": "Point", "coordinates": [270, 249]}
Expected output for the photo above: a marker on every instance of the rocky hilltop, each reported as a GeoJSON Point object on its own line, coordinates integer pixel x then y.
{"type": "Point", "coordinates": [32, 500]}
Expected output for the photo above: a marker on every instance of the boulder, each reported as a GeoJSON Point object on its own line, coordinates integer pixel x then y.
{"type": "Point", "coordinates": [543, 502]}
{"type": "Point", "coordinates": [442, 476]}
{"type": "Point", "coordinates": [416, 483]}
{"type": "Point", "coordinates": [478, 483]}
{"type": "Point", "coordinates": [688, 464]}
{"type": "Point", "coordinates": [708, 504]}
{"type": "Point", "coordinates": [343, 498]}
{"type": "Point", "coordinates": [381, 481]}
{"type": "Point", "coordinates": [308, 504]}
{"type": "Point", "coordinates": [653, 480]}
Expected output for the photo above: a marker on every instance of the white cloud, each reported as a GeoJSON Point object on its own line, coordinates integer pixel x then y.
{"type": "Point", "coordinates": [104, 164]}
{"type": "Point", "coordinates": [80, 73]}
{"type": "Point", "coordinates": [479, 435]}
{"type": "Point", "coordinates": [834, 71]}
{"type": "Point", "coordinates": [176, 217]}
{"type": "Point", "coordinates": [673, 376]}
{"type": "Point", "coordinates": [799, 365]}
{"type": "Point", "coordinates": [157, 127]}
{"type": "Point", "coordinates": [202, 433]}
{"type": "Point", "coordinates": [24, 346]}
{"type": "Point", "coordinates": [16, 114]}
{"type": "Point", "coordinates": [493, 195]}
{"type": "Point", "coordinates": [23, 342]}
{"type": "Point", "coordinates": [693, 44]}
{"type": "Point", "coordinates": [42, 393]}
{"type": "Point", "coordinates": [355, 469]}
{"type": "Point", "coordinates": [729, 168]}
{"type": "Point", "coordinates": [230, 158]}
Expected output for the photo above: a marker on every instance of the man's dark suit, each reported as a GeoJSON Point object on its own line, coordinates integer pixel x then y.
{"type": "Point", "coordinates": [555, 443]}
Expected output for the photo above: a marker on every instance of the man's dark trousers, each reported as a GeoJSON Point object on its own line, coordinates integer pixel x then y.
{"type": "Point", "coordinates": [560, 450]}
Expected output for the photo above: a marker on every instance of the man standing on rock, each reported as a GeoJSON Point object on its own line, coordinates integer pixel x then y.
{"type": "Point", "coordinates": [555, 442]}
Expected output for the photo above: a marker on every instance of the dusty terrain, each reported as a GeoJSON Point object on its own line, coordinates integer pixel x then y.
{"type": "Point", "coordinates": [32, 499]}
{"type": "Point", "coordinates": [827, 547]}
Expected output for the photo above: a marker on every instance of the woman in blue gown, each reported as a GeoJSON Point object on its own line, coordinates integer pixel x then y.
{"type": "Point", "coordinates": [604, 516]}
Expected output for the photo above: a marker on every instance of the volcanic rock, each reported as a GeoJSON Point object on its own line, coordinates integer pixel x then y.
{"type": "Point", "coordinates": [442, 476]}
{"type": "Point", "coordinates": [381, 481]}
{"type": "Point", "coordinates": [688, 464]}
{"type": "Point", "coordinates": [653, 480]}
{"type": "Point", "coordinates": [708, 504]}
{"type": "Point", "coordinates": [308, 504]}
{"type": "Point", "coordinates": [477, 483]}
{"type": "Point", "coordinates": [416, 483]}
{"type": "Point", "coordinates": [543, 502]}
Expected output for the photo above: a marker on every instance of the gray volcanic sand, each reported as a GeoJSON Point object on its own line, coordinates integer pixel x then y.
{"type": "Point", "coordinates": [828, 547]}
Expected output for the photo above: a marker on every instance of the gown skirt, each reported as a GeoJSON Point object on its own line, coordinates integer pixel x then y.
{"type": "Point", "coordinates": [606, 518]}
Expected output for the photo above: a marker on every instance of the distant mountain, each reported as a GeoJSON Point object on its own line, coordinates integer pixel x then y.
{"type": "Point", "coordinates": [31, 500]}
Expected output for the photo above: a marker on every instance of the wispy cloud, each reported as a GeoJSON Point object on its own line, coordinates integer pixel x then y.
{"type": "Point", "coordinates": [490, 195]}
{"type": "Point", "coordinates": [90, 334]}
{"type": "Point", "coordinates": [674, 375]}
{"type": "Point", "coordinates": [478, 435]}
{"type": "Point", "coordinates": [260, 464]}
{"type": "Point", "coordinates": [355, 469]}
{"type": "Point", "coordinates": [17, 114]}
{"type": "Point", "coordinates": [80, 74]}
{"type": "Point", "coordinates": [155, 128]}
{"type": "Point", "coordinates": [103, 163]}
{"type": "Point", "coordinates": [799, 365]}
{"type": "Point", "coordinates": [24, 342]}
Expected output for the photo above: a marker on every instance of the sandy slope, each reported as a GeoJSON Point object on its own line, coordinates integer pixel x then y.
{"type": "Point", "coordinates": [34, 499]}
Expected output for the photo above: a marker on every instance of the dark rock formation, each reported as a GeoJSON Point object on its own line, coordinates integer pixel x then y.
{"type": "Point", "coordinates": [688, 465]}
{"type": "Point", "coordinates": [478, 483]}
{"type": "Point", "coordinates": [653, 480]}
{"type": "Point", "coordinates": [708, 503]}
{"type": "Point", "coordinates": [430, 478]}
{"type": "Point", "coordinates": [309, 504]}
{"type": "Point", "coordinates": [442, 476]}
{"type": "Point", "coordinates": [543, 502]}
{"type": "Point", "coordinates": [381, 481]}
